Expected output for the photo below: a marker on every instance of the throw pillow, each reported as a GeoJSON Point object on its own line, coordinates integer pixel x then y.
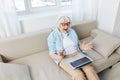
{"type": "Point", "coordinates": [14, 72]}
{"type": "Point", "coordinates": [105, 44]}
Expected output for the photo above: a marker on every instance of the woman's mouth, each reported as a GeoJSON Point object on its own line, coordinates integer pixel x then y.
{"type": "Point", "coordinates": [65, 29]}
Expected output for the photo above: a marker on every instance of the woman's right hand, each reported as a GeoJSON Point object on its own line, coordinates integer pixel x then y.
{"type": "Point", "coordinates": [59, 57]}
{"type": "Point", "coordinates": [60, 54]}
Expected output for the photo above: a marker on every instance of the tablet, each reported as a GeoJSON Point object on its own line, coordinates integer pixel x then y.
{"type": "Point", "coordinates": [81, 62]}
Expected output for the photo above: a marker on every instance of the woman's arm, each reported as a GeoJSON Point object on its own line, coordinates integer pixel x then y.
{"type": "Point", "coordinates": [55, 56]}
{"type": "Point", "coordinates": [58, 56]}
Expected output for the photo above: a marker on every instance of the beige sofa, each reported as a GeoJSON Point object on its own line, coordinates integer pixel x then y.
{"type": "Point", "coordinates": [113, 73]}
{"type": "Point", "coordinates": [31, 50]}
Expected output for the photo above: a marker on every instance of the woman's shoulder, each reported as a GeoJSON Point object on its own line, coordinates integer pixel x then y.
{"type": "Point", "coordinates": [72, 30]}
{"type": "Point", "coordinates": [53, 33]}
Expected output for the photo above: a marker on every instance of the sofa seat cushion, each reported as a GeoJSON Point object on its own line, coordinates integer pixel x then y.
{"type": "Point", "coordinates": [14, 72]}
{"type": "Point", "coordinates": [42, 67]}
{"type": "Point", "coordinates": [103, 63]}
{"type": "Point", "coordinates": [94, 55]}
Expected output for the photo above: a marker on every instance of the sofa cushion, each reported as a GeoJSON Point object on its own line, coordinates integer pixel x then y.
{"type": "Point", "coordinates": [95, 32]}
{"type": "Point", "coordinates": [112, 74]}
{"type": "Point", "coordinates": [23, 45]}
{"type": "Point", "coordinates": [14, 72]}
{"type": "Point", "coordinates": [101, 64]}
{"type": "Point", "coordinates": [94, 55]}
{"type": "Point", "coordinates": [42, 67]}
{"type": "Point", "coordinates": [0, 59]}
{"type": "Point", "coordinates": [105, 44]}
{"type": "Point", "coordinates": [87, 39]}
{"type": "Point", "coordinates": [84, 28]}
{"type": "Point", "coordinates": [118, 50]}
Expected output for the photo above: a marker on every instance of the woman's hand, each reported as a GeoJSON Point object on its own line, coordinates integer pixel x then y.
{"type": "Point", "coordinates": [85, 46]}
{"type": "Point", "coordinates": [61, 52]}
{"type": "Point", "coordinates": [58, 56]}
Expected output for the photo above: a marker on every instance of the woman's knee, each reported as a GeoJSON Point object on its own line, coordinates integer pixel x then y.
{"type": "Point", "coordinates": [88, 68]}
{"type": "Point", "coordinates": [79, 74]}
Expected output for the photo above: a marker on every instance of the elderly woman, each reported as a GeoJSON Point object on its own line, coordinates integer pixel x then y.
{"type": "Point", "coordinates": [63, 43]}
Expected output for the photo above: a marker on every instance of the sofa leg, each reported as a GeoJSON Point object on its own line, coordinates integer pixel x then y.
{"type": "Point", "coordinates": [110, 67]}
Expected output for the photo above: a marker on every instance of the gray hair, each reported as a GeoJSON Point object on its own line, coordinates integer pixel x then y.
{"type": "Point", "coordinates": [62, 18]}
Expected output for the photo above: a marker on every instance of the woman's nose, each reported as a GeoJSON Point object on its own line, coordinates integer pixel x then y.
{"type": "Point", "coordinates": [66, 26]}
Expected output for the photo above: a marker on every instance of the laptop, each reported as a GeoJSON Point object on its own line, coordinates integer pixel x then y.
{"type": "Point", "coordinates": [78, 61]}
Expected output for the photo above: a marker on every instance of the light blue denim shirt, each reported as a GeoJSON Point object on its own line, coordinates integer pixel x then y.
{"type": "Point", "coordinates": [55, 41]}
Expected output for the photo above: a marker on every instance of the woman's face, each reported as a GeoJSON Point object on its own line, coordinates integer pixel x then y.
{"type": "Point", "coordinates": [64, 25]}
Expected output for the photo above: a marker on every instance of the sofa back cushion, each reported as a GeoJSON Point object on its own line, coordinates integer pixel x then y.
{"type": "Point", "coordinates": [23, 45]}
{"type": "Point", "coordinates": [84, 28]}
{"type": "Point", "coordinates": [95, 32]}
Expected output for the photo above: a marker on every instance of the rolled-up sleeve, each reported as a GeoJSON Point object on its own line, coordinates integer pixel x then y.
{"type": "Point", "coordinates": [51, 44]}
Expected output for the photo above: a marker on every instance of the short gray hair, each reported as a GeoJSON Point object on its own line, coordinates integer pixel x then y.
{"type": "Point", "coordinates": [62, 18]}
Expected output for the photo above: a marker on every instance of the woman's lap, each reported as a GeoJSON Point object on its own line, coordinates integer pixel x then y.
{"type": "Point", "coordinates": [86, 72]}
{"type": "Point", "coordinates": [69, 70]}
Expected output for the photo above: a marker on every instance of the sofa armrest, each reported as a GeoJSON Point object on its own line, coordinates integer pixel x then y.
{"type": "Point", "coordinates": [1, 59]}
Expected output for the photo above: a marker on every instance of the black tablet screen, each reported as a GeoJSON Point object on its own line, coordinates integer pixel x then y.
{"type": "Point", "coordinates": [80, 62]}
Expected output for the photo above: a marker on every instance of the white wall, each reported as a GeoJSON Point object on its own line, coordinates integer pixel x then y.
{"type": "Point", "coordinates": [116, 30]}
{"type": "Point", "coordinates": [37, 22]}
{"type": "Point", "coordinates": [107, 12]}
{"type": "Point", "coordinates": [77, 13]}
{"type": "Point", "coordinates": [83, 10]}
{"type": "Point", "coordinates": [34, 24]}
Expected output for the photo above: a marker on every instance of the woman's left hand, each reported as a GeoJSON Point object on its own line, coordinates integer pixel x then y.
{"type": "Point", "coordinates": [85, 46]}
